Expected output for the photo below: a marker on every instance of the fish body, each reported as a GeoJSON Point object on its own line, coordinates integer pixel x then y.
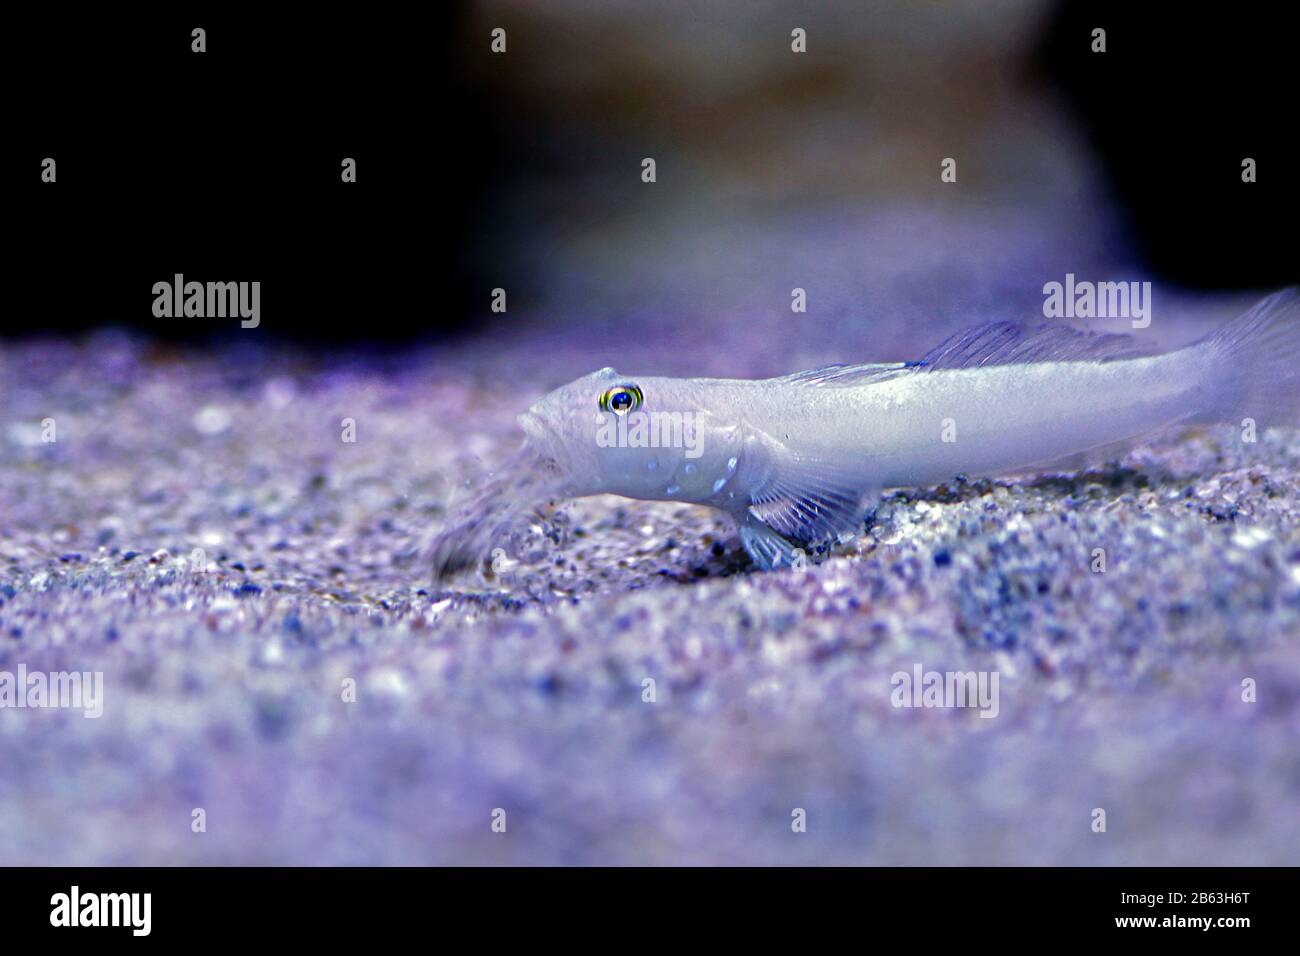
{"type": "Point", "coordinates": [920, 428]}
{"type": "Point", "coordinates": [795, 460]}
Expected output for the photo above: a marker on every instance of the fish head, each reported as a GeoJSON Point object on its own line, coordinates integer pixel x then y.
{"type": "Point", "coordinates": [640, 437]}
{"type": "Point", "coordinates": [561, 428]}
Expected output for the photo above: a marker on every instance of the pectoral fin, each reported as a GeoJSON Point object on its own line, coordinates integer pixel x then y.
{"type": "Point", "coordinates": [766, 548]}
{"type": "Point", "coordinates": [801, 498]}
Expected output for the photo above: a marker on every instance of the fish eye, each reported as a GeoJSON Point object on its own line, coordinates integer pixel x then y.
{"type": "Point", "coordinates": [621, 399]}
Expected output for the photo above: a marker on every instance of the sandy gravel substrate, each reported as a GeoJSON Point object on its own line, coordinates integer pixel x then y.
{"type": "Point", "coordinates": [524, 691]}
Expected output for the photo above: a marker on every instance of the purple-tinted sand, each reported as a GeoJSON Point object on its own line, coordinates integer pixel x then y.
{"type": "Point", "coordinates": [524, 690]}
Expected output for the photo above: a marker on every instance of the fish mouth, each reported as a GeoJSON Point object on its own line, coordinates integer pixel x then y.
{"type": "Point", "coordinates": [554, 459]}
{"type": "Point", "coordinates": [535, 427]}
{"type": "Point", "coordinates": [541, 438]}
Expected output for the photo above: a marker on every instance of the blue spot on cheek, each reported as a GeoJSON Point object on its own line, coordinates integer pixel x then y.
{"type": "Point", "coordinates": [651, 465]}
{"type": "Point", "coordinates": [688, 468]}
{"type": "Point", "coordinates": [717, 485]}
{"type": "Point", "coordinates": [732, 462]}
{"type": "Point", "coordinates": [672, 489]}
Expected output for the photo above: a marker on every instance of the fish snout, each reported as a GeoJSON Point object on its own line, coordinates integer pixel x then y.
{"type": "Point", "coordinates": [545, 434]}
{"type": "Point", "coordinates": [533, 424]}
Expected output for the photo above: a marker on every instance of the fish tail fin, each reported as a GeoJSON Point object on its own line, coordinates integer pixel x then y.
{"type": "Point", "coordinates": [1255, 364]}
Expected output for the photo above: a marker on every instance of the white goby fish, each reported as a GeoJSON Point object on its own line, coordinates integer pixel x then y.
{"type": "Point", "coordinates": [796, 460]}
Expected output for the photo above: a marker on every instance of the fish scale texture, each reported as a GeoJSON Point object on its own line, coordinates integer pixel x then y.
{"type": "Point", "coordinates": [525, 690]}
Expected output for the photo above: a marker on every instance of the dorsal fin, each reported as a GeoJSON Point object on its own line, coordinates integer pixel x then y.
{"type": "Point", "coordinates": [1008, 343]}
{"type": "Point", "coordinates": [835, 375]}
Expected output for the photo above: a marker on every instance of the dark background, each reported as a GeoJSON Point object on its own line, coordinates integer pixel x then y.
{"type": "Point", "coordinates": [1183, 93]}
{"type": "Point", "coordinates": [225, 166]}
